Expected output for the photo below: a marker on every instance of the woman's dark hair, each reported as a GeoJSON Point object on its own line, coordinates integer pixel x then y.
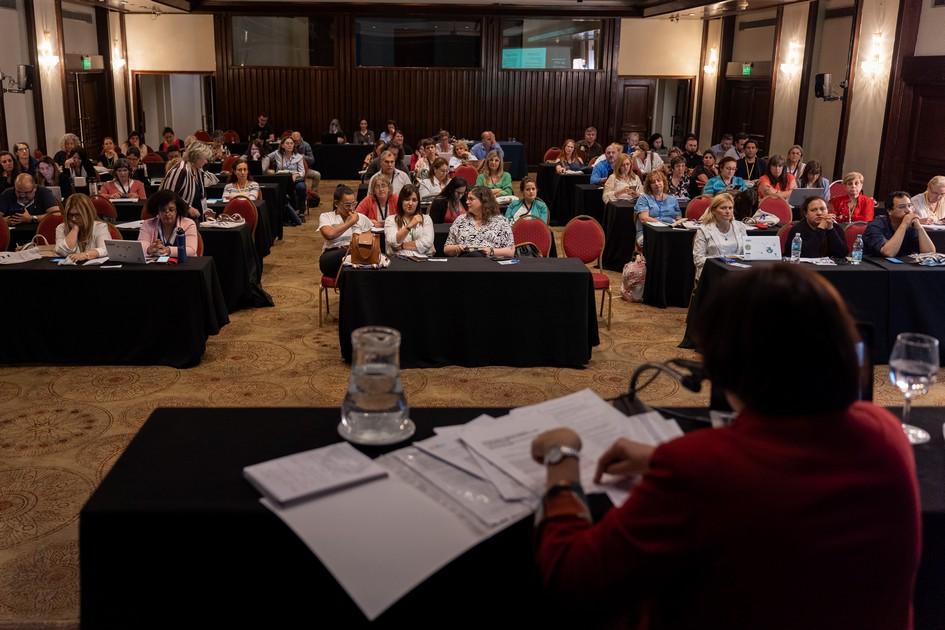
{"type": "Point", "coordinates": [437, 163]}
{"type": "Point", "coordinates": [122, 163]}
{"type": "Point", "coordinates": [167, 129]}
{"type": "Point", "coordinates": [725, 160]}
{"type": "Point", "coordinates": [781, 181]}
{"type": "Point", "coordinates": [340, 191]}
{"type": "Point", "coordinates": [405, 193]}
{"type": "Point", "coordinates": [13, 173]}
{"type": "Point", "coordinates": [450, 188]}
{"type": "Point", "coordinates": [813, 167]}
{"type": "Point", "coordinates": [528, 179]}
{"type": "Point", "coordinates": [40, 180]}
{"type": "Point", "coordinates": [654, 138]}
{"type": "Point", "coordinates": [232, 179]}
{"type": "Point", "coordinates": [774, 378]}
{"type": "Point", "coordinates": [490, 208]}
{"type": "Point", "coordinates": [160, 199]}
{"type": "Point", "coordinates": [676, 160]}
{"type": "Point", "coordinates": [709, 152]}
{"type": "Point", "coordinates": [136, 133]}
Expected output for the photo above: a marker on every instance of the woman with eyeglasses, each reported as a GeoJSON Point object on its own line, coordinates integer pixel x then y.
{"type": "Point", "coordinates": [337, 227]}
{"type": "Point", "coordinates": [123, 186]}
{"type": "Point", "coordinates": [170, 219]}
{"type": "Point", "coordinates": [81, 236]}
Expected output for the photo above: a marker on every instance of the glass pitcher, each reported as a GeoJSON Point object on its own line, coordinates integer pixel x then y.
{"type": "Point", "coordinates": [374, 411]}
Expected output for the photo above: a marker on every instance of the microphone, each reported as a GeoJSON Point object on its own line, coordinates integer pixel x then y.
{"type": "Point", "coordinates": [686, 372]}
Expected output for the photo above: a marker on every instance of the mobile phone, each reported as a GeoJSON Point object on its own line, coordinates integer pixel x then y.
{"type": "Point", "coordinates": [894, 260]}
{"type": "Point", "coordinates": [163, 259]}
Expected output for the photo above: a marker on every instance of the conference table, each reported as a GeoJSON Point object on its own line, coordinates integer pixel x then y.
{"type": "Point", "coordinates": [589, 200]}
{"type": "Point", "coordinates": [271, 209]}
{"type": "Point", "coordinates": [558, 190]}
{"type": "Point", "coordinates": [620, 234]}
{"type": "Point", "coordinates": [136, 315]}
{"type": "Point", "coordinates": [474, 311]}
{"type": "Point", "coordinates": [175, 532]}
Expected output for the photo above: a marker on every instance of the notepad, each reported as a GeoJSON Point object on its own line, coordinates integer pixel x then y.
{"type": "Point", "coordinates": [313, 473]}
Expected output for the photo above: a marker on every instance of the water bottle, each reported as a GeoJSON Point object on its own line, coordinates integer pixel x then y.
{"type": "Point", "coordinates": [856, 257]}
{"type": "Point", "coordinates": [181, 243]}
{"type": "Point", "coordinates": [374, 410]}
{"type": "Point", "coordinates": [796, 249]}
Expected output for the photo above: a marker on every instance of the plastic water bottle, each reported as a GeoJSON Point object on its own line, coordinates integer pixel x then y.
{"type": "Point", "coordinates": [181, 243]}
{"type": "Point", "coordinates": [856, 257]}
{"type": "Point", "coordinates": [796, 249]}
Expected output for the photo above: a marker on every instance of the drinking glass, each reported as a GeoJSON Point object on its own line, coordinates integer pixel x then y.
{"type": "Point", "coordinates": [913, 365]}
{"type": "Point", "coordinates": [374, 410]}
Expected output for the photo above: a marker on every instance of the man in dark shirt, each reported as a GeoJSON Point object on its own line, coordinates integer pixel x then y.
{"type": "Point", "coordinates": [821, 235]}
{"type": "Point", "coordinates": [138, 170]}
{"type": "Point", "coordinates": [588, 148]}
{"type": "Point", "coordinates": [900, 233]}
{"type": "Point", "coordinates": [751, 167]}
{"type": "Point", "coordinates": [26, 202]}
{"type": "Point", "coordinates": [261, 129]}
{"type": "Point", "coordinates": [691, 154]}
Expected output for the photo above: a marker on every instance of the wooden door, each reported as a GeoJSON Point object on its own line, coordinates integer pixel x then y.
{"type": "Point", "coordinates": [683, 113]}
{"type": "Point", "coordinates": [89, 113]}
{"type": "Point", "coordinates": [634, 107]}
{"type": "Point", "coordinates": [747, 111]}
{"type": "Point", "coordinates": [924, 156]}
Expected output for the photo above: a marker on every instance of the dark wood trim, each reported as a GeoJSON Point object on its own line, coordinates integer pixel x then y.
{"type": "Point", "coordinates": [105, 49]}
{"type": "Point", "coordinates": [4, 142]}
{"type": "Point", "coordinates": [697, 106]}
{"type": "Point", "coordinates": [902, 77]}
{"type": "Point", "coordinates": [775, 71]}
{"type": "Point", "coordinates": [845, 109]}
{"type": "Point", "coordinates": [775, 21]}
{"type": "Point", "coordinates": [407, 10]}
{"type": "Point", "coordinates": [38, 115]}
{"type": "Point", "coordinates": [812, 10]}
{"type": "Point", "coordinates": [60, 34]}
{"type": "Point", "coordinates": [129, 119]}
{"type": "Point", "coordinates": [840, 12]}
{"type": "Point", "coordinates": [726, 43]}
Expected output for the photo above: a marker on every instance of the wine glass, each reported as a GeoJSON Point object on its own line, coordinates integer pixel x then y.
{"type": "Point", "coordinates": [913, 365]}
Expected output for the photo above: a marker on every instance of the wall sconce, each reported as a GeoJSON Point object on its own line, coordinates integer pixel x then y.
{"type": "Point", "coordinates": [118, 62]}
{"type": "Point", "coordinates": [713, 62]}
{"type": "Point", "coordinates": [46, 57]}
{"type": "Point", "coordinates": [872, 65]}
{"type": "Point", "coordinates": [792, 63]}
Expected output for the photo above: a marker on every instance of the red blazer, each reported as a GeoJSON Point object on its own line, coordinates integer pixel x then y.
{"type": "Point", "coordinates": [862, 212]}
{"type": "Point", "coordinates": [368, 207]}
{"type": "Point", "coordinates": [774, 523]}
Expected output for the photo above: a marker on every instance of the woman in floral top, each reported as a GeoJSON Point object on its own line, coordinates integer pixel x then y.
{"type": "Point", "coordinates": [678, 179]}
{"type": "Point", "coordinates": [482, 229]}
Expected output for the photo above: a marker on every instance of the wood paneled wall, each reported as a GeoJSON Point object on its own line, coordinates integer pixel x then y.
{"type": "Point", "coordinates": [539, 108]}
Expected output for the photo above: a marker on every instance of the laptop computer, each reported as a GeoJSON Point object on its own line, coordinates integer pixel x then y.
{"type": "Point", "coordinates": [154, 169]}
{"type": "Point", "coordinates": [762, 248]}
{"type": "Point", "coordinates": [132, 252]}
{"type": "Point", "coordinates": [255, 167]}
{"type": "Point", "coordinates": [798, 195]}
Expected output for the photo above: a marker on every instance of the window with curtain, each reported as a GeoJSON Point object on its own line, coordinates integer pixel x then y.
{"type": "Point", "coordinates": [418, 43]}
{"type": "Point", "coordinates": [282, 41]}
{"type": "Point", "coordinates": [550, 44]}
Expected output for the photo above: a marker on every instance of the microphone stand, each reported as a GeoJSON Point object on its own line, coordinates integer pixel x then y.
{"type": "Point", "coordinates": [686, 372]}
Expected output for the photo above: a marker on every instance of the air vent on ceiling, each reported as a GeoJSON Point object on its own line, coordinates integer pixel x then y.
{"type": "Point", "coordinates": [77, 16]}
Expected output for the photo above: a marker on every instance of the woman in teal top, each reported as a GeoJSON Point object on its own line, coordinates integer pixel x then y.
{"type": "Point", "coordinates": [493, 176]}
{"type": "Point", "coordinates": [725, 181]}
{"type": "Point", "coordinates": [655, 204]}
{"type": "Point", "coordinates": [529, 204]}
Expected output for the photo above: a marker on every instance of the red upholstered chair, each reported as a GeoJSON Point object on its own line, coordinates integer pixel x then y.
{"type": "Point", "coordinates": [778, 207]}
{"type": "Point", "coordinates": [782, 234]}
{"type": "Point", "coordinates": [532, 230]}
{"type": "Point", "coordinates": [468, 173]}
{"type": "Point", "coordinates": [199, 244]}
{"type": "Point", "coordinates": [47, 227]}
{"type": "Point", "coordinates": [230, 136]}
{"type": "Point", "coordinates": [152, 156]}
{"type": "Point", "coordinates": [4, 236]}
{"type": "Point", "coordinates": [851, 231]}
{"type": "Point", "coordinates": [229, 162]}
{"type": "Point", "coordinates": [113, 233]}
{"type": "Point", "coordinates": [145, 215]}
{"type": "Point", "coordinates": [837, 189]}
{"type": "Point", "coordinates": [326, 284]}
{"type": "Point", "coordinates": [203, 136]}
{"type": "Point", "coordinates": [552, 154]}
{"type": "Point", "coordinates": [584, 238]}
{"type": "Point", "coordinates": [246, 209]}
{"type": "Point", "coordinates": [104, 208]}
{"type": "Point", "coordinates": [697, 207]}
{"type": "Point", "coordinates": [38, 154]}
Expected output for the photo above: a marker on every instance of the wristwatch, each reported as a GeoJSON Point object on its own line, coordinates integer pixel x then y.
{"type": "Point", "coordinates": [557, 453]}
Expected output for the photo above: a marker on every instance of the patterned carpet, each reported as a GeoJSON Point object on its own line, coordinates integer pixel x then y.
{"type": "Point", "coordinates": [61, 428]}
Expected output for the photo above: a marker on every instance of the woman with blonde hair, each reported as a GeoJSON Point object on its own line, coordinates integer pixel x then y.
{"type": "Point", "coordinates": [81, 236]}
{"type": "Point", "coordinates": [793, 165]}
{"type": "Point", "coordinates": [493, 176]}
{"type": "Point", "coordinates": [655, 204]}
{"type": "Point", "coordinates": [186, 178]}
{"type": "Point", "coordinates": [623, 183]}
{"type": "Point", "coordinates": [461, 155]}
{"type": "Point", "coordinates": [930, 205]}
{"type": "Point", "coordinates": [568, 159]}
{"type": "Point", "coordinates": [718, 234]}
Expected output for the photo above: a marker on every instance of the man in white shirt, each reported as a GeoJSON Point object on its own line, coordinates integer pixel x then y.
{"type": "Point", "coordinates": [397, 178]}
{"type": "Point", "coordinates": [723, 146]}
{"type": "Point", "coordinates": [930, 205]}
{"type": "Point", "coordinates": [737, 150]}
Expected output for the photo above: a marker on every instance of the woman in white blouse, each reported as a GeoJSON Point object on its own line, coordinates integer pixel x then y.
{"type": "Point", "coordinates": [241, 183]}
{"type": "Point", "coordinates": [80, 237]}
{"type": "Point", "coordinates": [337, 228]}
{"type": "Point", "coordinates": [623, 183]}
{"type": "Point", "coordinates": [718, 235]}
{"type": "Point", "coordinates": [645, 160]}
{"type": "Point", "coordinates": [409, 231]}
{"type": "Point", "coordinates": [437, 180]}
{"type": "Point", "coordinates": [795, 161]}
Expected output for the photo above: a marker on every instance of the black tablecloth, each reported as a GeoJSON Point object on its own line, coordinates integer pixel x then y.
{"type": "Point", "coordinates": [565, 187]}
{"type": "Point", "coordinates": [340, 161]}
{"type": "Point", "coordinates": [447, 312]}
{"type": "Point", "coordinates": [589, 200]}
{"type": "Point", "coordinates": [514, 154]}
{"type": "Point", "coordinates": [620, 232]}
{"type": "Point", "coordinates": [174, 531]}
{"type": "Point", "coordinates": [916, 301]}
{"type": "Point", "coordinates": [266, 206]}
{"type": "Point", "coordinates": [112, 314]}
{"type": "Point", "coordinates": [285, 193]}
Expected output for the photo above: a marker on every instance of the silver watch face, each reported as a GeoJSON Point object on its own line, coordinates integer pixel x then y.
{"type": "Point", "coordinates": [554, 455]}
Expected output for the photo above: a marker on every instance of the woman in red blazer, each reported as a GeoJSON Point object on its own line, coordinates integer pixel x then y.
{"type": "Point", "coordinates": [853, 206]}
{"type": "Point", "coordinates": [803, 513]}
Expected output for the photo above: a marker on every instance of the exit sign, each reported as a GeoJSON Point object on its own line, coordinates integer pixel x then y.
{"type": "Point", "coordinates": [746, 69]}
{"type": "Point", "coordinates": [86, 63]}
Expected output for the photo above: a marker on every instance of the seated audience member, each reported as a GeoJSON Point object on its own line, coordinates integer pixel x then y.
{"type": "Point", "coordinates": [899, 233]}
{"type": "Point", "coordinates": [461, 155]}
{"type": "Point", "coordinates": [109, 156]}
{"type": "Point", "coordinates": [185, 179]}
{"type": "Point", "coordinates": [821, 235]}
{"type": "Point", "coordinates": [25, 162]}
{"type": "Point", "coordinates": [375, 166]}
{"type": "Point", "coordinates": [363, 135]}
{"type": "Point", "coordinates": [373, 156]}
{"type": "Point", "coordinates": [724, 519]}
{"type": "Point", "coordinates": [529, 204]}
{"type": "Point", "coordinates": [122, 186]}
{"type": "Point", "coordinates": [255, 151]}
{"type": "Point", "coordinates": [67, 145]}
{"type": "Point", "coordinates": [138, 170]}
{"type": "Point", "coordinates": [631, 140]}
{"type": "Point", "coordinates": [776, 182]}
{"type": "Point", "coordinates": [170, 140]}
{"type": "Point", "coordinates": [421, 169]}
{"type": "Point", "coordinates": [380, 202]}
{"type": "Point", "coordinates": [337, 227]}
{"type": "Point", "coordinates": [80, 168]}
{"type": "Point", "coordinates": [305, 150]}
{"type": "Point", "coordinates": [49, 176]}
{"type": "Point", "coordinates": [7, 170]}
{"type": "Point", "coordinates": [751, 167]}
{"type": "Point", "coordinates": [493, 176]}
{"type": "Point", "coordinates": [451, 203]}
{"type": "Point", "coordinates": [646, 160]}
{"type": "Point", "coordinates": [605, 167]}
{"type": "Point", "coordinates": [813, 177]}
{"type": "Point", "coordinates": [335, 130]}
{"type": "Point", "coordinates": [795, 161]}
{"type": "Point", "coordinates": [655, 204]}
{"type": "Point", "coordinates": [853, 206]}
{"type": "Point", "coordinates": [168, 214]}
{"type": "Point", "coordinates": [443, 147]}
{"type": "Point", "coordinates": [240, 183]}
{"type": "Point", "coordinates": [678, 179]}
{"type": "Point", "coordinates": [389, 171]}
{"type": "Point", "coordinates": [623, 184]}
{"type": "Point", "coordinates": [657, 145]}
{"type": "Point", "coordinates": [403, 150]}
{"type": "Point", "coordinates": [409, 230]}
{"type": "Point", "coordinates": [218, 151]}
{"type": "Point", "coordinates": [486, 145]}
{"type": "Point", "coordinates": [388, 134]}
{"type": "Point", "coordinates": [436, 180]}
{"type": "Point", "coordinates": [135, 140]}
{"type": "Point", "coordinates": [701, 175]}
{"type": "Point", "coordinates": [261, 129]}
{"type": "Point", "coordinates": [482, 230]}
{"type": "Point", "coordinates": [312, 198]}
{"type": "Point", "coordinates": [725, 181]}
{"type": "Point", "coordinates": [589, 148]}
{"type": "Point", "coordinates": [81, 236]}
{"type": "Point", "coordinates": [723, 147]}
{"type": "Point", "coordinates": [569, 159]}
{"type": "Point", "coordinates": [26, 202]}
{"type": "Point", "coordinates": [738, 146]}
{"type": "Point", "coordinates": [718, 234]}
{"type": "Point", "coordinates": [285, 159]}
{"type": "Point", "coordinates": [173, 154]}
{"type": "Point", "coordinates": [929, 206]}
{"type": "Point", "coordinates": [692, 155]}
{"type": "Point", "coordinates": [673, 152]}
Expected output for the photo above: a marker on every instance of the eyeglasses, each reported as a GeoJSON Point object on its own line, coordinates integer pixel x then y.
{"type": "Point", "coordinates": [349, 205]}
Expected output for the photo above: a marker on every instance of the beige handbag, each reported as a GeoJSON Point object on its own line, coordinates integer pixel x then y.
{"type": "Point", "coordinates": [365, 249]}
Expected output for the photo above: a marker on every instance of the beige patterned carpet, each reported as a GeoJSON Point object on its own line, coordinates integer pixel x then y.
{"type": "Point", "coordinates": [61, 428]}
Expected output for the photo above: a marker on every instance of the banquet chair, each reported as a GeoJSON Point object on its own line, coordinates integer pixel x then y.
{"type": "Point", "coordinates": [4, 236]}
{"type": "Point", "coordinates": [203, 136]}
{"type": "Point", "coordinates": [246, 209]}
{"type": "Point", "coordinates": [229, 162]}
{"type": "Point", "coordinates": [327, 282]}
{"type": "Point", "coordinates": [778, 207]}
{"type": "Point", "coordinates": [851, 231]}
{"type": "Point", "coordinates": [105, 209]}
{"type": "Point", "coordinates": [231, 136]}
{"type": "Point", "coordinates": [782, 236]}
{"type": "Point", "coordinates": [533, 230]}
{"type": "Point", "coordinates": [47, 226]}
{"type": "Point", "coordinates": [552, 154]}
{"type": "Point", "coordinates": [199, 244]}
{"type": "Point", "coordinates": [113, 233]}
{"type": "Point", "coordinates": [152, 156]}
{"type": "Point", "coordinates": [697, 208]}
{"type": "Point", "coordinates": [584, 238]}
{"type": "Point", "coordinates": [837, 189]}
{"type": "Point", "coordinates": [468, 173]}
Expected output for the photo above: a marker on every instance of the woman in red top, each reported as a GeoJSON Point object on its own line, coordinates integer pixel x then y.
{"type": "Point", "coordinates": [379, 202]}
{"type": "Point", "coordinates": [853, 206]}
{"type": "Point", "coordinates": [776, 182]}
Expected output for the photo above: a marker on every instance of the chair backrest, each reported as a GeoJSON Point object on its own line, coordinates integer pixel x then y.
{"type": "Point", "coordinates": [199, 244]}
{"type": "Point", "coordinates": [203, 136]}
{"type": "Point", "coordinates": [47, 227]}
{"type": "Point", "coordinates": [145, 215]}
{"type": "Point", "coordinates": [468, 173]}
{"type": "Point", "coordinates": [38, 154]}
{"type": "Point", "coordinates": [4, 236]}
{"type": "Point", "coordinates": [583, 238]}
{"type": "Point", "coordinates": [229, 162]}
{"type": "Point", "coordinates": [245, 208]}
{"type": "Point", "coordinates": [778, 207]}
{"type": "Point", "coordinates": [104, 208]}
{"type": "Point", "coordinates": [152, 156]}
{"type": "Point", "coordinates": [697, 208]}
{"type": "Point", "coordinates": [851, 231]}
{"type": "Point", "coordinates": [837, 189]}
{"type": "Point", "coordinates": [114, 233]}
{"type": "Point", "coordinates": [231, 136]}
{"type": "Point", "coordinates": [782, 234]}
{"type": "Point", "coordinates": [532, 230]}
{"type": "Point", "coordinates": [552, 154]}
